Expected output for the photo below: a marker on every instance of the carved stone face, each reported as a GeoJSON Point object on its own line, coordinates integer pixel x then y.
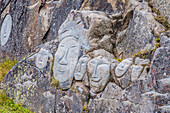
{"type": "Point", "coordinates": [65, 62]}
{"type": "Point", "coordinates": [122, 67]}
{"type": "Point", "coordinates": [81, 68]}
{"type": "Point", "coordinates": [6, 29]}
{"type": "Point", "coordinates": [99, 70]}
{"type": "Point", "coordinates": [42, 58]}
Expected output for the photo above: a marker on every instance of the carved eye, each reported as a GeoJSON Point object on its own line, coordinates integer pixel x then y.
{"type": "Point", "coordinates": [61, 45]}
{"type": "Point", "coordinates": [73, 46]}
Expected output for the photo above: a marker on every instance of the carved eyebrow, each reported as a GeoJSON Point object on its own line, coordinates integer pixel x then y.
{"type": "Point", "coordinates": [73, 46]}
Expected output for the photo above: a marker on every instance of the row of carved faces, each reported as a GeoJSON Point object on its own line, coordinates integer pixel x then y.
{"type": "Point", "coordinates": [69, 64]}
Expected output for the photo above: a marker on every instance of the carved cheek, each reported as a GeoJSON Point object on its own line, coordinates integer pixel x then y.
{"type": "Point", "coordinates": [83, 68]}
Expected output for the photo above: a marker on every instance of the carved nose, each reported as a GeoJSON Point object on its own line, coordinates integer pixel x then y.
{"type": "Point", "coordinates": [94, 74]}
{"type": "Point", "coordinates": [64, 59]}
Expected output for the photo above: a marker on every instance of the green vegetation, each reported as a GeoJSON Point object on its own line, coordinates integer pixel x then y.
{"type": "Point", "coordinates": [7, 105]}
{"type": "Point", "coordinates": [55, 83]}
{"type": "Point", "coordinates": [5, 66]}
{"type": "Point", "coordinates": [157, 40]}
{"type": "Point", "coordinates": [161, 19]}
{"type": "Point", "coordinates": [118, 59]}
{"type": "Point", "coordinates": [84, 107]}
{"type": "Point", "coordinates": [141, 54]}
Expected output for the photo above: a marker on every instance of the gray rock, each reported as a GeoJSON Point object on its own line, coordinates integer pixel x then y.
{"type": "Point", "coordinates": [141, 25]}
{"type": "Point", "coordinates": [34, 22]}
{"type": "Point", "coordinates": [164, 41]}
{"type": "Point", "coordinates": [68, 101]}
{"type": "Point", "coordinates": [111, 91]}
{"type": "Point", "coordinates": [26, 84]}
{"type": "Point", "coordinates": [103, 105]}
{"type": "Point", "coordinates": [159, 69]}
{"type": "Point", "coordinates": [163, 7]}
{"type": "Point", "coordinates": [141, 61]}
{"type": "Point", "coordinates": [102, 52]}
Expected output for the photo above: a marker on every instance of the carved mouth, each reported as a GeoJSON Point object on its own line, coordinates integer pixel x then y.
{"type": "Point", "coordinates": [94, 84]}
{"type": "Point", "coordinates": [62, 68]}
{"type": "Point", "coordinates": [61, 72]}
{"type": "Point", "coordinates": [120, 69]}
{"type": "Point", "coordinates": [96, 79]}
{"type": "Point", "coordinates": [78, 74]}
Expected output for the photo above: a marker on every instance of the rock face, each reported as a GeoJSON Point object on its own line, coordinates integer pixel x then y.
{"type": "Point", "coordinates": [78, 68]}
{"type": "Point", "coordinates": [163, 7]}
{"type": "Point", "coordinates": [141, 25]}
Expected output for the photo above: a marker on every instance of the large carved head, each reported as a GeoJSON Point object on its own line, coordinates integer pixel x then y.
{"type": "Point", "coordinates": [69, 50]}
{"type": "Point", "coordinates": [66, 59]}
{"type": "Point", "coordinates": [99, 73]}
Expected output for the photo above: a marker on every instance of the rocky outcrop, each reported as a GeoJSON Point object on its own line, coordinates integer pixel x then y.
{"type": "Point", "coordinates": [163, 7]}
{"type": "Point", "coordinates": [140, 35]}
{"type": "Point", "coordinates": [81, 70]}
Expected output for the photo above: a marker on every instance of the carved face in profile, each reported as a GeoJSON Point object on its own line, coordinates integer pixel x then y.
{"type": "Point", "coordinates": [81, 68]}
{"type": "Point", "coordinates": [42, 58]}
{"type": "Point", "coordinates": [122, 67]}
{"type": "Point", "coordinates": [99, 70]}
{"type": "Point", "coordinates": [65, 62]}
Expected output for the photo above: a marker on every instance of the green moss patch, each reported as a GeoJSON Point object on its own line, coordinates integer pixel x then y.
{"type": "Point", "coordinates": [5, 66]}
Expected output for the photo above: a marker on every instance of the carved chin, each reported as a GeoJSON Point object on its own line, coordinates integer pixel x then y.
{"type": "Point", "coordinates": [61, 76]}
{"type": "Point", "coordinates": [78, 76]}
{"type": "Point", "coordinates": [95, 86]}
{"type": "Point", "coordinates": [120, 72]}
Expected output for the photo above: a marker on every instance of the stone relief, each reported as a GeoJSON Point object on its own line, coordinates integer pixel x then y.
{"type": "Point", "coordinates": [6, 29]}
{"type": "Point", "coordinates": [123, 67]}
{"type": "Point", "coordinates": [99, 73]}
{"type": "Point", "coordinates": [66, 59]}
{"type": "Point", "coordinates": [81, 68]}
{"type": "Point", "coordinates": [42, 58]}
{"type": "Point", "coordinates": [69, 50]}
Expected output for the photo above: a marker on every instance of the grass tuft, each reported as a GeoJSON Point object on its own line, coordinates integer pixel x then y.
{"type": "Point", "coordinates": [7, 105]}
{"type": "Point", "coordinates": [118, 59]}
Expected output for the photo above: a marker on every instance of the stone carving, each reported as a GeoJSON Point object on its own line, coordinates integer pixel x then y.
{"type": "Point", "coordinates": [81, 68]}
{"type": "Point", "coordinates": [66, 59]}
{"type": "Point", "coordinates": [6, 29]}
{"type": "Point", "coordinates": [69, 51]}
{"type": "Point", "coordinates": [99, 73]}
{"type": "Point", "coordinates": [136, 72]}
{"type": "Point", "coordinates": [123, 67]}
{"type": "Point", "coordinates": [42, 58]}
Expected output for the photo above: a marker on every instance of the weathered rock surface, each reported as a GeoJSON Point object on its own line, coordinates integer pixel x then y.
{"type": "Point", "coordinates": [163, 7]}
{"type": "Point", "coordinates": [139, 35]}
{"type": "Point", "coordinates": [160, 70]}
{"type": "Point", "coordinates": [81, 70]}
